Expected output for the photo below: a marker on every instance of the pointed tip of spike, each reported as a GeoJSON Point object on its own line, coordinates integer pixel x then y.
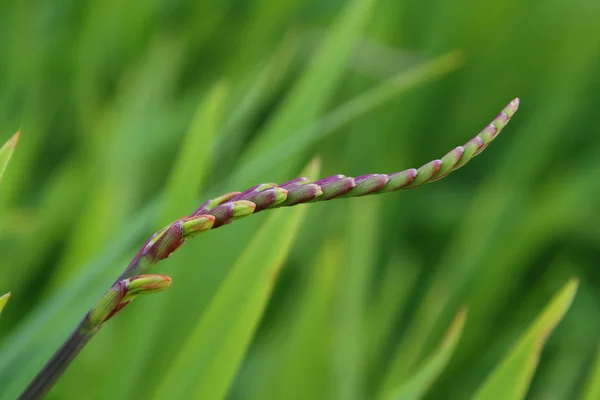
{"type": "Point", "coordinates": [512, 107]}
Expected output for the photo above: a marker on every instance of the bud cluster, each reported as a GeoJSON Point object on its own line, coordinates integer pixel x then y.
{"type": "Point", "coordinates": [120, 295]}
{"type": "Point", "coordinates": [232, 206]}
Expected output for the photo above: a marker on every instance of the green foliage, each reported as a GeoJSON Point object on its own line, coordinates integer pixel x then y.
{"type": "Point", "coordinates": [3, 300]}
{"type": "Point", "coordinates": [512, 377]}
{"type": "Point", "coordinates": [137, 112]}
{"type": "Point", "coordinates": [421, 380]}
{"type": "Point", "coordinates": [217, 345]}
{"type": "Point", "coordinates": [6, 152]}
{"type": "Point", "coordinates": [592, 389]}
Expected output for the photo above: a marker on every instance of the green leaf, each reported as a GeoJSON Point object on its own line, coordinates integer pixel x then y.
{"type": "Point", "coordinates": [592, 387]}
{"type": "Point", "coordinates": [359, 264]}
{"type": "Point", "coordinates": [511, 378]}
{"type": "Point", "coordinates": [418, 385]}
{"type": "Point", "coordinates": [310, 95]}
{"type": "Point", "coordinates": [330, 123]}
{"type": "Point", "coordinates": [306, 355]}
{"type": "Point", "coordinates": [194, 158]}
{"type": "Point", "coordinates": [7, 151]}
{"type": "Point", "coordinates": [4, 300]}
{"type": "Point", "coordinates": [208, 362]}
{"type": "Point", "coordinates": [186, 179]}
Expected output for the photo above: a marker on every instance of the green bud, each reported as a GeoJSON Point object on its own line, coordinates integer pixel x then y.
{"type": "Point", "coordinates": [426, 172]}
{"type": "Point", "coordinates": [107, 306]}
{"type": "Point", "coordinates": [471, 148]}
{"type": "Point", "coordinates": [196, 224]}
{"type": "Point", "coordinates": [280, 196]}
{"type": "Point", "coordinates": [145, 284]}
{"type": "Point", "coordinates": [512, 107]}
{"type": "Point", "coordinates": [209, 205]}
{"type": "Point", "coordinates": [367, 184]}
{"type": "Point", "coordinates": [488, 133]}
{"type": "Point", "coordinates": [166, 241]}
{"type": "Point", "coordinates": [399, 180]}
{"type": "Point", "coordinates": [448, 162]}
{"type": "Point", "coordinates": [242, 208]}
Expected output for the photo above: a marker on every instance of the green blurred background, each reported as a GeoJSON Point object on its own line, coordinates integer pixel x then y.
{"type": "Point", "coordinates": [114, 96]}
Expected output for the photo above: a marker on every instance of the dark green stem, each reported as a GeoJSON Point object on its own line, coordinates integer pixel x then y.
{"type": "Point", "coordinates": [231, 206]}
{"type": "Point", "coordinates": [57, 365]}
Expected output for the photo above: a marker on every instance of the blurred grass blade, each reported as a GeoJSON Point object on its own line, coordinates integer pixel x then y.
{"type": "Point", "coordinates": [216, 347]}
{"type": "Point", "coordinates": [592, 386]}
{"type": "Point", "coordinates": [7, 151]}
{"type": "Point", "coordinates": [511, 378]}
{"type": "Point", "coordinates": [104, 264]}
{"type": "Point", "coordinates": [359, 263]}
{"type": "Point", "coordinates": [5, 154]}
{"type": "Point", "coordinates": [305, 136]}
{"type": "Point", "coordinates": [315, 87]}
{"type": "Point", "coordinates": [306, 356]}
{"type": "Point", "coordinates": [3, 299]}
{"type": "Point", "coordinates": [186, 179]}
{"type": "Point", "coordinates": [418, 385]}
{"type": "Point", "coordinates": [193, 160]}
{"type": "Point", "coordinates": [391, 297]}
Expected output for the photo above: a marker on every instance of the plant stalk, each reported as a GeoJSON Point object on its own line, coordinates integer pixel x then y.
{"type": "Point", "coordinates": [57, 365]}
{"type": "Point", "coordinates": [230, 207]}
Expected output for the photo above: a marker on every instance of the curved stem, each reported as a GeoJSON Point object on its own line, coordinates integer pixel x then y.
{"type": "Point", "coordinates": [232, 206]}
{"type": "Point", "coordinates": [57, 365]}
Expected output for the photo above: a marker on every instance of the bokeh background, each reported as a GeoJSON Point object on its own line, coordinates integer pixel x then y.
{"type": "Point", "coordinates": [134, 112]}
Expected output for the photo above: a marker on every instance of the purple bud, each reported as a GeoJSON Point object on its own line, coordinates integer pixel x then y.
{"type": "Point", "coordinates": [264, 195]}
{"type": "Point", "coordinates": [448, 162]}
{"type": "Point", "coordinates": [488, 133]}
{"type": "Point", "coordinates": [400, 179]}
{"type": "Point", "coordinates": [228, 212]}
{"type": "Point", "coordinates": [268, 198]}
{"type": "Point", "coordinates": [294, 183]}
{"type": "Point", "coordinates": [471, 148]}
{"type": "Point", "coordinates": [426, 172]}
{"type": "Point", "coordinates": [301, 194]}
{"type": "Point", "coordinates": [367, 184]}
{"type": "Point", "coordinates": [209, 205]}
{"type": "Point", "coordinates": [165, 242]}
{"type": "Point", "coordinates": [500, 121]}
{"type": "Point", "coordinates": [334, 186]}
{"type": "Point", "coordinates": [249, 194]}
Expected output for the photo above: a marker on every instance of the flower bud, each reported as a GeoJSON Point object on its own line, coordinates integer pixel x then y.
{"type": "Point", "coordinates": [367, 184]}
{"type": "Point", "coordinates": [146, 284]}
{"type": "Point", "coordinates": [196, 224]}
{"type": "Point", "coordinates": [107, 306]}
{"type": "Point", "coordinates": [164, 243]}
{"type": "Point", "coordinates": [211, 204]}
{"type": "Point", "coordinates": [399, 180]}
{"type": "Point", "coordinates": [301, 194]}
{"type": "Point", "coordinates": [448, 162]}
{"type": "Point", "coordinates": [228, 212]}
{"type": "Point", "coordinates": [334, 186]}
{"type": "Point", "coordinates": [425, 173]}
